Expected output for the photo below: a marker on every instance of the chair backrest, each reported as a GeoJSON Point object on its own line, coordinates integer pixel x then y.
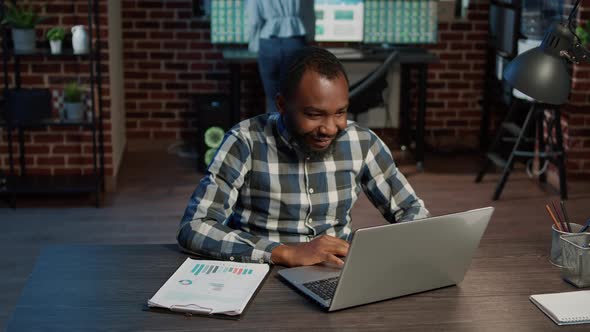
{"type": "Point", "coordinates": [367, 92]}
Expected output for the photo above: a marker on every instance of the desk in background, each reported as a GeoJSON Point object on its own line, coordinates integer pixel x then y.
{"type": "Point", "coordinates": [106, 287]}
{"type": "Point", "coordinates": [408, 58]}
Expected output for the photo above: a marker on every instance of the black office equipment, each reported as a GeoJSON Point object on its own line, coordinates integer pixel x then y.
{"type": "Point", "coordinates": [543, 72]}
{"type": "Point", "coordinates": [212, 111]}
{"type": "Point", "coordinates": [504, 24]}
{"type": "Point", "coordinates": [368, 92]}
{"type": "Point", "coordinates": [521, 144]}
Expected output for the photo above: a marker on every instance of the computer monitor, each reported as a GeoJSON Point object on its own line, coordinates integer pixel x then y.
{"type": "Point", "coordinates": [368, 21]}
{"type": "Point", "coordinates": [339, 20]}
{"type": "Point", "coordinates": [336, 20]}
{"type": "Point", "coordinates": [229, 22]}
{"type": "Point", "coordinates": [401, 21]}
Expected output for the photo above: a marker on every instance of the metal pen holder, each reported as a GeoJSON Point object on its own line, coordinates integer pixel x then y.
{"type": "Point", "coordinates": [556, 245]}
{"type": "Point", "coordinates": [576, 259]}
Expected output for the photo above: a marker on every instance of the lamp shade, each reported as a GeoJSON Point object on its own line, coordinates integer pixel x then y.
{"type": "Point", "coordinates": [540, 75]}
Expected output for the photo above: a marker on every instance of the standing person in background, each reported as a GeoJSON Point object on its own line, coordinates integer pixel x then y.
{"type": "Point", "coordinates": [278, 28]}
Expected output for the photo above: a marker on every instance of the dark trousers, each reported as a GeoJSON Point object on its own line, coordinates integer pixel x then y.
{"type": "Point", "coordinates": [272, 60]}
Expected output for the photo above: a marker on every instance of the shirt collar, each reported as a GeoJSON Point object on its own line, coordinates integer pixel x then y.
{"type": "Point", "coordinates": [283, 132]}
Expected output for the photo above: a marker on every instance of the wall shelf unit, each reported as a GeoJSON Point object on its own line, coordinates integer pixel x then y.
{"type": "Point", "coordinates": [14, 183]}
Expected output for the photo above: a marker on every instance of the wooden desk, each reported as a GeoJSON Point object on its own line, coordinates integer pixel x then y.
{"type": "Point", "coordinates": [105, 288]}
{"type": "Point", "coordinates": [408, 57]}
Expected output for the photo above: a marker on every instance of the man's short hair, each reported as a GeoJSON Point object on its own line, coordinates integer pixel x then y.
{"type": "Point", "coordinates": [313, 58]}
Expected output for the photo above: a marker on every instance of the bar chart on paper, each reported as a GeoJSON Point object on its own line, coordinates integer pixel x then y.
{"type": "Point", "coordinates": [214, 269]}
{"type": "Point", "coordinates": [210, 286]}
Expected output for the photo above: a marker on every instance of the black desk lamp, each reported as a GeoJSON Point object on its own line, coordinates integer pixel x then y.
{"type": "Point", "coordinates": [541, 73]}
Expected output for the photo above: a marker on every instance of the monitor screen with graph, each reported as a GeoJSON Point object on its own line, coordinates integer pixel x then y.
{"type": "Point", "coordinates": [400, 21]}
{"type": "Point", "coordinates": [368, 21]}
{"type": "Point", "coordinates": [229, 22]}
{"type": "Point", "coordinates": [336, 20]}
{"type": "Point", "coordinates": [339, 20]}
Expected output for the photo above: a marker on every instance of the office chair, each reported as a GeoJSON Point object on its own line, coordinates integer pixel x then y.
{"type": "Point", "coordinates": [368, 92]}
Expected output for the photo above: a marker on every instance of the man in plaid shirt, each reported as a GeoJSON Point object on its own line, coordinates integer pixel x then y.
{"type": "Point", "coordinates": [281, 185]}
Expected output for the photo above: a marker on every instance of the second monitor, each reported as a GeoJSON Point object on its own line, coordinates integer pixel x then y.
{"type": "Point", "coordinates": [339, 20]}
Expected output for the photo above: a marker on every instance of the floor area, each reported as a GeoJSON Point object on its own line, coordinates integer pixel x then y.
{"type": "Point", "coordinates": [155, 186]}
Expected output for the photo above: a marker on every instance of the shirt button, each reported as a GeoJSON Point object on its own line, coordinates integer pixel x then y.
{"type": "Point", "coordinates": [310, 220]}
{"type": "Point", "coordinates": [261, 261]}
{"type": "Point", "coordinates": [231, 258]}
{"type": "Point", "coordinates": [311, 190]}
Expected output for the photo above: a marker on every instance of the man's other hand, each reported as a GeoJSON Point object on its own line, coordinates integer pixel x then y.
{"type": "Point", "coordinates": [324, 248]}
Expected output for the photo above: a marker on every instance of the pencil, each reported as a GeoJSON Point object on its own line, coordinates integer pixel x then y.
{"type": "Point", "coordinates": [565, 216]}
{"type": "Point", "coordinates": [561, 222]}
{"type": "Point", "coordinates": [553, 218]}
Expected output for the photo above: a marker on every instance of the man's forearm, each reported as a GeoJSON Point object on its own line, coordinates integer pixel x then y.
{"type": "Point", "coordinates": [213, 239]}
{"type": "Point", "coordinates": [280, 255]}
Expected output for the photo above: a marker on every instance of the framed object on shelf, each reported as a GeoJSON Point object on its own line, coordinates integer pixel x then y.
{"type": "Point", "coordinates": [27, 106]}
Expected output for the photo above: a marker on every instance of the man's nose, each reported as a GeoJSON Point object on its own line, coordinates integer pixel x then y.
{"type": "Point", "coordinates": [329, 127]}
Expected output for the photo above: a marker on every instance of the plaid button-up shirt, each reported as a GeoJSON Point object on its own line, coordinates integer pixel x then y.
{"type": "Point", "coordinates": [261, 191]}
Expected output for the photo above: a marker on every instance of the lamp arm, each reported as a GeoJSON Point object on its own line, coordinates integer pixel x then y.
{"type": "Point", "coordinates": [577, 54]}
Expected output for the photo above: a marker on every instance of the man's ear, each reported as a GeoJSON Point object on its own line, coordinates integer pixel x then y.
{"type": "Point", "coordinates": [281, 103]}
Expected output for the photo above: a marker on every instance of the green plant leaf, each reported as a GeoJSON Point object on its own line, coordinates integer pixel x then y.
{"type": "Point", "coordinates": [73, 93]}
{"type": "Point", "coordinates": [584, 35]}
{"type": "Point", "coordinates": [56, 33]}
{"type": "Point", "coordinates": [21, 17]}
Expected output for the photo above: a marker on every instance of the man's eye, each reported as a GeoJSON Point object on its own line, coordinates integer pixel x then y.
{"type": "Point", "coordinates": [313, 115]}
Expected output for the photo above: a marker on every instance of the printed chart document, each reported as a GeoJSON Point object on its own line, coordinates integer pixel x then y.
{"type": "Point", "coordinates": [210, 287]}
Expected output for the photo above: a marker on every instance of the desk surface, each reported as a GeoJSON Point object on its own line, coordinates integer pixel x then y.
{"type": "Point", "coordinates": [406, 55]}
{"type": "Point", "coordinates": [105, 288]}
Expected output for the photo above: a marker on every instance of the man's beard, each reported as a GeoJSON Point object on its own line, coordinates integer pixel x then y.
{"type": "Point", "coordinates": [303, 147]}
{"type": "Point", "coordinates": [301, 144]}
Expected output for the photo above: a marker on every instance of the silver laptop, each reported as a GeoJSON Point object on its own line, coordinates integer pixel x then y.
{"type": "Point", "coordinates": [395, 260]}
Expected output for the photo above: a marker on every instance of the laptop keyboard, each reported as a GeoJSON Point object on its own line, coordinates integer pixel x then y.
{"type": "Point", "coordinates": [323, 288]}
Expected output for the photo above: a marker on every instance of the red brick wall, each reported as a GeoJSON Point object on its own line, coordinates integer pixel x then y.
{"type": "Point", "coordinates": [456, 83]}
{"type": "Point", "coordinates": [59, 150]}
{"type": "Point", "coordinates": [168, 57]}
{"type": "Point", "coordinates": [577, 115]}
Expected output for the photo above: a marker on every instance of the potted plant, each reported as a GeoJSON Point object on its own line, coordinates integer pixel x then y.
{"type": "Point", "coordinates": [22, 20]}
{"type": "Point", "coordinates": [56, 35]}
{"type": "Point", "coordinates": [73, 105]}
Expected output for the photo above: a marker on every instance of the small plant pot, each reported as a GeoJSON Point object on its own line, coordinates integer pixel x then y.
{"type": "Point", "coordinates": [55, 46]}
{"type": "Point", "coordinates": [24, 41]}
{"type": "Point", "coordinates": [74, 111]}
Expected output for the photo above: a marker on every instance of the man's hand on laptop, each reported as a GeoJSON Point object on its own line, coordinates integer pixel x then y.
{"type": "Point", "coordinates": [324, 248]}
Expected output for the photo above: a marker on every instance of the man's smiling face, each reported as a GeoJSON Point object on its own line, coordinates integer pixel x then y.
{"type": "Point", "coordinates": [316, 113]}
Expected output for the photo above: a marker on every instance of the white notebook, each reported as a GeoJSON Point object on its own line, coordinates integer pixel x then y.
{"type": "Point", "coordinates": [210, 287]}
{"type": "Point", "coordinates": [565, 308]}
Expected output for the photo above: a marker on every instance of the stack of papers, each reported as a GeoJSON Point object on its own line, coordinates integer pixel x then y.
{"type": "Point", "coordinates": [210, 287]}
